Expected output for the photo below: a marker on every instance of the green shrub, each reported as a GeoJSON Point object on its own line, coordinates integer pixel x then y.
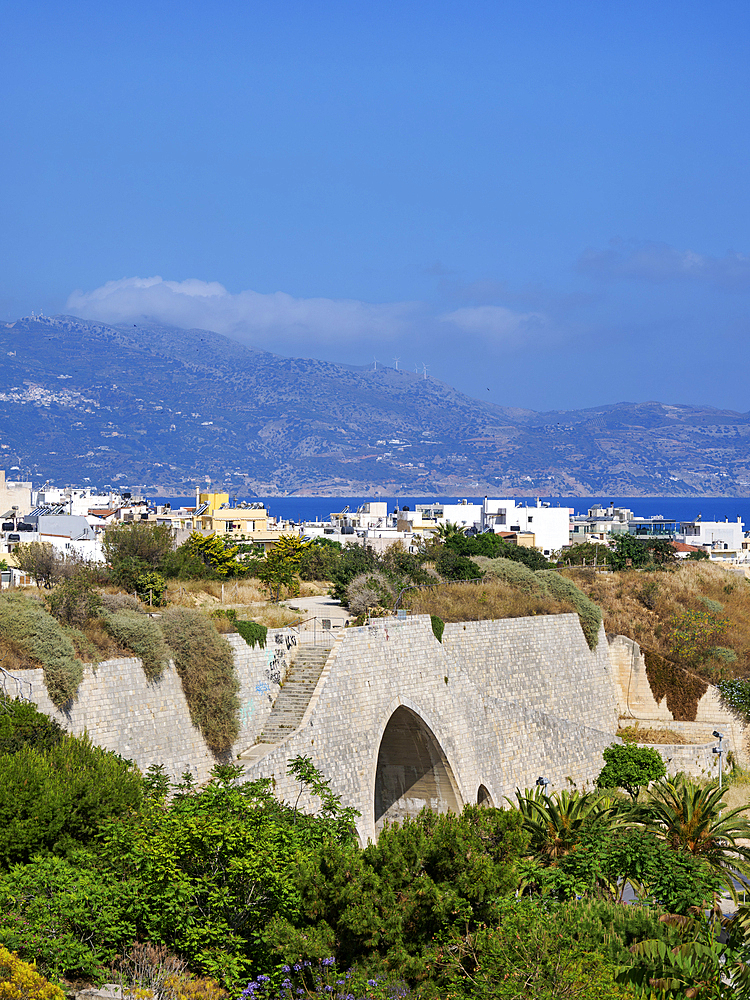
{"type": "Point", "coordinates": [22, 724]}
{"type": "Point", "coordinates": [143, 637]}
{"type": "Point", "coordinates": [27, 623]}
{"type": "Point", "coordinates": [74, 602]}
{"type": "Point", "coordinates": [150, 588]}
{"type": "Point", "coordinates": [452, 566]}
{"type": "Point", "coordinates": [205, 663]}
{"type": "Point", "coordinates": [715, 607]}
{"type": "Point", "coordinates": [518, 575]}
{"type": "Point", "coordinates": [53, 799]}
{"type": "Point", "coordinates": [65, 916]}
{"type": "Point", "coordinates": [253, 633]}
{"type": "Point", "coordinates": [589, 614]}
{"type": "Point", "coordinates": [723, 654]}
{"type": "Point", "coordinates": [229, 613]}
{"type": "Point", "coordinates": [438, 626]}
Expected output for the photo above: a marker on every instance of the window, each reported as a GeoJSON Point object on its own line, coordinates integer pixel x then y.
{"type": "Point", "coordinates": [530, 519]}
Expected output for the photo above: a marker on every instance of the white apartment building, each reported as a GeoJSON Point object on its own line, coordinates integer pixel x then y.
{"type": "Point", "coordinates": [549, 525]}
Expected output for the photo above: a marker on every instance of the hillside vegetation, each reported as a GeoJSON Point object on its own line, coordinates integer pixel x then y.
{"type": "Point", "coordinates": [508, 590]}
{"type": "Point", "coordinates": [695, 614]}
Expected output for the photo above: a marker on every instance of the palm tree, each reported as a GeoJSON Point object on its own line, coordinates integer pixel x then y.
{"type": "Point", "coordinates": [556, 822]}
{"type": "Point", "coordinates": [448, 531]}
{"type": "Point", "coordinates": [688, 817]}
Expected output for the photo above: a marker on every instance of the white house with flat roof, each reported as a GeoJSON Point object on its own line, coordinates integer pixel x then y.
{"type": "Point", "coordinates": [722, 539]}
{"type": "Point", "coordinates": [549, 525]}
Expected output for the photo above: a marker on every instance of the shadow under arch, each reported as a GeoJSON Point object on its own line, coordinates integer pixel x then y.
{"type": "Point", "coordinates": [484, 798]}
{"type": "Point", "coordinates": [412, 771]}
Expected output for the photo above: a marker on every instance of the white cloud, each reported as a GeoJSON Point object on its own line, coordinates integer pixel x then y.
{"type": "Point", "coordinates": [497, 324]}
{"type": "Point", "coordinates": [651, 261]}
{"type": "Point", "coordinates": [248, 316]}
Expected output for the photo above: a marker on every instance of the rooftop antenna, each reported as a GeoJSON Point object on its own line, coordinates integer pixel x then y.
{"type": "Point", "coordinates": [397, 361]}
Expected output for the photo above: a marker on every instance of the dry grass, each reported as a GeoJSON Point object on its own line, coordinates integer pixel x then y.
{"type": "Point", "coordinates": [642, 606]}
{"type": "Point", "coordinates": [462, 602]}
{"type": "Point", "coordinates": [638, 734]}
{"type": "Point", "coordinates": [738, 795]}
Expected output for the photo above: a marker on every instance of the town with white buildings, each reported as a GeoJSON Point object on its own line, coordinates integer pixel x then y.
{"type": "Point", "coordinates": [74, 519]}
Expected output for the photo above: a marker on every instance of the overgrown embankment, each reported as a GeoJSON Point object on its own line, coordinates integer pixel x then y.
{"type": "Point", "coordinates": [508, 590]}
{"type": "Point", "coordinates": [31, 636]}
{"type": "Point", "coordinates": [694, 615]}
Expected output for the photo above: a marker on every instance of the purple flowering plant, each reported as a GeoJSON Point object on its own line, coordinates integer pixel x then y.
{"type": "Point", "coordinates": [321, 981]}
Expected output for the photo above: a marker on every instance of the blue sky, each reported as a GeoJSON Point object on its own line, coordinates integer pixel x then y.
{"type": "Point", "coordinates": [546, 203]}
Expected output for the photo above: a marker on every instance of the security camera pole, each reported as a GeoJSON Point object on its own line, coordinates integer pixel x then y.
{"type": "Point", "coordinates": [542, 783]}
{"type": "Point", "coordinates": [718, 750]}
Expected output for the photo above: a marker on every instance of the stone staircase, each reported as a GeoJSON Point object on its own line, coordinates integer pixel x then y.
{"type": "Point", "coordinates": [295, 694]}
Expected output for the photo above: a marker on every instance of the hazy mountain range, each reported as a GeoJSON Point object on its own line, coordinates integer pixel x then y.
{"type": "Point", "coordinates": [163, 408]}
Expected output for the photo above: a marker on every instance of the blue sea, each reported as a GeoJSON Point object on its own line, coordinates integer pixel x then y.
{"type": "Point", "coordinates": [679, 508]}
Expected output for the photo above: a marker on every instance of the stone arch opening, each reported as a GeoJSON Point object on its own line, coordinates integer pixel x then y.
{"type": "Point", "coordinates": [484, 798]}
{"type": "Point", "coordinates": [412, 771]}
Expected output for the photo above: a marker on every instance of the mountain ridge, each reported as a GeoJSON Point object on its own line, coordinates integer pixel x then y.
{"type": "Point", "coordinates": [162, 407]}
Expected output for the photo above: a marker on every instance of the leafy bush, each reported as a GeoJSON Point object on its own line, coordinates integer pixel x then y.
{"type": "Point", "coordinates": [205, 663]}
{"type": "Point", "coordinates": [368, 590]}
{"type": "Point", "coordinates": [517, 574]}
{"type": "Point", "coordinates": [52, 799]}
{"type": "Point", "coordinates": [317, 560]}
{"type": "Point", "coordinates": [66, 916]}
{"type": "Point", "coordinates": [21, 981]}
{"type": "Point", "coordinates": [74, 602]}
{"type": "Point", "coordinates": [438, 627]}
{"type": "Point", "coordinates": [143, 637]}
{"type": "Point", "coordinates": [353, 560]}
{"type": "Point", "coordinates": [22, 724]}
{"type": "Point", "coordinates": [387, 906]}
{"type": "Point", "coordinates": [253, 633]}
{"type": "Point", "coordinates": [589, 614]}
{"type": "Point", "coordinates": [135, 548]}
{"type": "Point", "coordinates": [495, 547]}
{"type": "Point", "coordinates": [631, 767]}
{"type": "Point", "coordinates": [452, 566]}
{"type": "Point", "coordinates": [26, 622]}
{"type": "Point", "coordinates": [150, 588]}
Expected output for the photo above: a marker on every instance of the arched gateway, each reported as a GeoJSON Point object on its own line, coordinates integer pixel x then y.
{"type": "Point", "coordinates": [412, 771]}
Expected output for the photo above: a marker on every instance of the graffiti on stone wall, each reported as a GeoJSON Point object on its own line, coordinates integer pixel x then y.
{"type": "Point", "coordinates": [275, 666]}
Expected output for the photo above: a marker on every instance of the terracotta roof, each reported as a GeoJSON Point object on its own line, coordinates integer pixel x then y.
{"type": "Point", "coordinates": [682, 547]}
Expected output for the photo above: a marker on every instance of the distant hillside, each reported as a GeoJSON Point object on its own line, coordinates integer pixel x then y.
{"type": "Point", "coordinates": [164, 407]}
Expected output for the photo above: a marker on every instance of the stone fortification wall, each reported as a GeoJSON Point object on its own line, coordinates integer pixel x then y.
{"type": "Point", "coordinates": [150, 722]}
{"type": "Point", "coordinates": [541, 661]}
{"type": "Point", "coordinates": [698, 760]}
{"type": "Point", "coordinates": [397, 720]}
{"type": "Point", "coordinates": [503, 703]}
{"type": "Point", "coordinates": [637, 704]}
